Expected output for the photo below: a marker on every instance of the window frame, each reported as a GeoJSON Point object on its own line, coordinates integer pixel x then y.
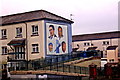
{"type": "Point", "coordinates": [105, 43]}
{"type": "Point", "coordinates": [4, 50]}
{"type": "Point", "coordinates": [19, 32]}
{"type": "Point", "coordinates": [4, 33]}
{"type": "Point", "coordinates": [86, 44]}
{"type": "Point", "coordinates": [19, 49]}
{"type": "Point", "coordinates": [19, 56]}
{"type": "Point", "coordinates": [35, 48]}
{"type": "Point", "coordinates": [111, 60]}
{"type": "Point", "coordinates": [34, 30]}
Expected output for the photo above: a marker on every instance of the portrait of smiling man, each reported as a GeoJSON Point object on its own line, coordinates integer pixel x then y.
{"type": "Point", "coordinates": [60, 32]}
{"type": "Point", "coordinates": [51, 31]}
{"type": "Point", "coordinates": [50, 46]}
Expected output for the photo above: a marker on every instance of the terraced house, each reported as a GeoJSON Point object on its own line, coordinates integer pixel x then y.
{"type": "Point", "coordinates": [25, 36]}
{"type": "Point", "coordinates": [107, 42]}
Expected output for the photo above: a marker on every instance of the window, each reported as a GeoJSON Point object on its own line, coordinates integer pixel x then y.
{"type": "Point", "coordinates": [35, 48]}
{"type": "Point", "coordinates": [105, 42]}
{"type": "Point", "coordinates": [4, 33]}
{"type": "Point", "coordinates": [92, 44]}
{"type": "Point", "coordinates": [19, 49]}
{"type": "Point", "coordinates": [19, 32]}
{"type": "Point", "coordinates": [19, 56]}
{"type": "Point", "coordinates": [111, 60]}
{"type": "Point", "coordinates": [34, 29]}
{"type": "Point", "coordinates": [86, 44]}
{"type": "Point", "coordinates": [4, 50]}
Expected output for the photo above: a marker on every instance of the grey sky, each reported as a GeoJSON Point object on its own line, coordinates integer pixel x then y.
{"type": "Point", "coordinates": [89, 16]}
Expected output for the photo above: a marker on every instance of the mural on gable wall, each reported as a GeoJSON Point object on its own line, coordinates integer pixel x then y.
{"type": "Point", "coordinates": [57, 39]}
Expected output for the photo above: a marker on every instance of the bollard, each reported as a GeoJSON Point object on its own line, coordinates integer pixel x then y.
{"type": "Point", "coordinates": [108, 70]}
{"type": "Point", "coordinates": [92, 71]}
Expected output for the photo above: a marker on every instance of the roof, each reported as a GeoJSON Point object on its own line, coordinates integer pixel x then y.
{"type": "Point", "coordinates": [91, 48]}
{"type": "Point", "coordinates": [96, 36]}
{"type": "Point", "coordinates": [16, 42]}
{"type": "Point", "coordinates": [31, 16]}
{"type": "Point", "coordinates": [111, 47]}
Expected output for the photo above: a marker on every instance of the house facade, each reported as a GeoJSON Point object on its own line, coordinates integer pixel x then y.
{"type": "Point", "coordinates": [107, 43]}
{"type": "Point", "coordinates": [25, 36]}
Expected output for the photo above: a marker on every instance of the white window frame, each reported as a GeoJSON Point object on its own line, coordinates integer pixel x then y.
{"type": "Point", "coordinates": [34, 29]}
{"type": "Point", "coordinates": [4, 50]}
{"type": "Point", "coordinates": [19, 32]}
{"type": "Point", "coordinates": [106, 42]}
{"type": "Point", "coordinates": [111, 60]}
{"type": "Point", "coordinates": [35, 48]}
{"type": "Point", "coordinates": [86, 44]}
{"type": "Point", "coordinates": [20, 56]}
{"type": "Point", "coordinates": [4, 33]}
{"type": "Point", "coordinates": [19, 49]}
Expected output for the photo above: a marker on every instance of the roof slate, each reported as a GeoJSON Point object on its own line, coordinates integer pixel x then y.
{"type": "Point", "coordinates": [105, 35]}
{"type": "Point", "coordinates": [31, 16]}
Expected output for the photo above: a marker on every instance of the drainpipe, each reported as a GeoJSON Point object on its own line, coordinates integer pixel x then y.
{"type": "Point", "coordinates": [26, 46]}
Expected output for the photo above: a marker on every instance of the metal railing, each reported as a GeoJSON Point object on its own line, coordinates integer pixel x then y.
{"type": "Point", "coordinates": [59, 67]}
{"type": "Point", "coordinates": [67, 68]}
{"type": "Point", "coordinates": [55, 63]}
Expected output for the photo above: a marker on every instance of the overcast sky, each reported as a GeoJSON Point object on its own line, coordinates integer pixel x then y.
{"type": "Point", "coordinates": [89, 16]}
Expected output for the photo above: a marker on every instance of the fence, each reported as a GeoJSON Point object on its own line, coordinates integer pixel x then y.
{"type": "Point", "coordinates": [55, 63]}
{"type": "Point", "coordinates": [109, 72]}
{"type": "Point", "coordinates": [60, 67]}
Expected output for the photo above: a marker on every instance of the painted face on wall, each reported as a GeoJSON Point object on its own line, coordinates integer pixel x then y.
{"type": "Point", "coordinates": [56, 34]}
{"type": "Point", "coordinates": [63, 46]}
{"type": "Point", "coordinates": [51, 30]}
{"type": "Point", "coordinates": [60, 32]}
{"type": "Point", "coordinates": [50, 46]}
